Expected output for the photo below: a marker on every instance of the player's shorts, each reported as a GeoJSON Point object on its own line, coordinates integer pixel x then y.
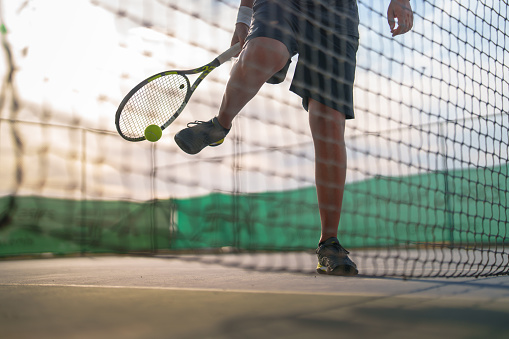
{"type": "Point", "coordinates": [325, 35]}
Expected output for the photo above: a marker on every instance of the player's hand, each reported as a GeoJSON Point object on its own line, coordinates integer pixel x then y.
{"type": "Point", "coordinates": [402, 11]}
{"type": "Point", "coordinates": [240, 34]}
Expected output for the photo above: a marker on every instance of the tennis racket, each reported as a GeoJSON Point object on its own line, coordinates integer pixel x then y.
{"type": "Point", "coordinates": [159, 99]}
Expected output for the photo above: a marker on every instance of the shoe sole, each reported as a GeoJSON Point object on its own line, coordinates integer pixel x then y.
{"type": "Point", "coordinates": [183, 146]}
{"type": "Point", "coordinates": [217, 143]}
{"type": "Point", "coordinates": [342, 270]}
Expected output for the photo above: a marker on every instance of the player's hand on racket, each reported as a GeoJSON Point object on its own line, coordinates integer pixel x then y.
{"type": "Point", "coordinates": [240, 34]}
{"type": "Point", "coordinates": [401, 11]}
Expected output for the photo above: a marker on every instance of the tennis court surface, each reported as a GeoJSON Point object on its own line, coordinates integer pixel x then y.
{"type": "Point", "coordinates": [207, 296]}
{"type": "Point", "coordinates": [426, 194]}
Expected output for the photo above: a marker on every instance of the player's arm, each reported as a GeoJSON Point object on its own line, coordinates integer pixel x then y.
{"type": "Point", "coordinates": [243, 22]}
{"type": "Point", "coordinates": [402, 11]}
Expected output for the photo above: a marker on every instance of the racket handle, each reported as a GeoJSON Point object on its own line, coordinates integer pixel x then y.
{"type": "Point", "coordinates": [229, 53]}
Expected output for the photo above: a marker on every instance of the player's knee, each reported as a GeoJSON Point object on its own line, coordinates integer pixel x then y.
{"type": "Point", "coordinates": [264, 57]}
{"type": "Point", "coordinates": [326, 120]}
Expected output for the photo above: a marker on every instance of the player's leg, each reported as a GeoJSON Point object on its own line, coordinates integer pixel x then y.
{"type": "Point", "coordinates": [328, 132]}
{"type": "Point", "coordinates": [259, 60]}
{"type": "Point", "coordinates": [266, 54]}
{"type": "Point", "coordinates": [324, 77]}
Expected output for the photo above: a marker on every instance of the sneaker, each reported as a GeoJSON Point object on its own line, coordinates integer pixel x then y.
{"type": "Point", "coordinates": [333, 259]}
{"type": "Point", "coordinates": [200, 134]}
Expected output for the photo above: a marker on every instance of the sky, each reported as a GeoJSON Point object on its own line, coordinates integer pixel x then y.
{"type": "Point", "coordinates": [432, 99]}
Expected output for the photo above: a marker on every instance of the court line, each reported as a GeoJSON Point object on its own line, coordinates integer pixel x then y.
{"type": "Point", "coordinates": [406, 295]}
{"type": "Point", "coordinates": [198, 289]}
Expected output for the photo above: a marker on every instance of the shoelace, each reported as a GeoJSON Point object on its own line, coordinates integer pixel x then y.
{"type": "Point", "coordinates": [196, 122]}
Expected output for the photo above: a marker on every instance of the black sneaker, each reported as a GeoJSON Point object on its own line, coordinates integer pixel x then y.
{"type": "Point", "coordinates": [200, 134]}
{"type": "Point", "coordinates": [333, 259]}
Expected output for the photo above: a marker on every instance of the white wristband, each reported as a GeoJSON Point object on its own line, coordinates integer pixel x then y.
{"type": "Point", "coordinates": [245, 14]}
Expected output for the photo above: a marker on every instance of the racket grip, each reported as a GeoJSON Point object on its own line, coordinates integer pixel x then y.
{"type": "Point", "coordinates": [229, 53]}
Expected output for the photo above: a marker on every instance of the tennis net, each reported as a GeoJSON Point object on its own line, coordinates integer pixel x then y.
{"type": "Point", "coordinates": [426, 191]}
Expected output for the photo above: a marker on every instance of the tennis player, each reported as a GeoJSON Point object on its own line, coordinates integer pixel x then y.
{"type": "Point", "coordinates": [325, 35]}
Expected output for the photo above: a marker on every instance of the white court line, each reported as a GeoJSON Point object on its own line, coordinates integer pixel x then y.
{"type": "Point", "coordinates": [411, 295]}
{"type": "Point", "coordinates": [197, 289]}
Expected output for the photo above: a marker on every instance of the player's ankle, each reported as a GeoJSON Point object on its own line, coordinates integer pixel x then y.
{"type": "Point", "coordinates": [227, 125]}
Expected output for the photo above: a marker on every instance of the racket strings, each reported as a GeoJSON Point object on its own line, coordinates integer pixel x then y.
{"type": "Point", "coordinates": [154, 103]}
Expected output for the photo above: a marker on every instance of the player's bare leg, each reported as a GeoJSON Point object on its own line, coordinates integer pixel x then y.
{"type": "Point", "coordinates": [260, 59]}
{"type": "Point", "coordinates": [328, 132]}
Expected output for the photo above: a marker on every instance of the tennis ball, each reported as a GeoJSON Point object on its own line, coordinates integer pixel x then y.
{"type": "Point", "coordinates": [153, 133]}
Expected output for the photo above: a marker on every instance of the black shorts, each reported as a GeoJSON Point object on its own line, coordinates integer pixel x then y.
{"type": "Point", "coordinates": [325, 35]}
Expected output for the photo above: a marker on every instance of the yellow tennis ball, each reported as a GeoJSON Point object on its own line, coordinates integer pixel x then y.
{"type": "Point", "coordinates": [153, 133]}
